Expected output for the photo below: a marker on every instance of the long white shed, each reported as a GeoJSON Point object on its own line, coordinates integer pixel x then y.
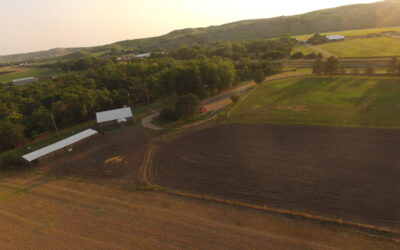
{"type": "Point", "coordinates": [59, 145]}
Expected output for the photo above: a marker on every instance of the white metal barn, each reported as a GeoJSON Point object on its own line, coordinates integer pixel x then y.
{"type": "Point", "coordinates": [114, 116]}
{"type": "Point", "coordinates": [24, 81]}
{"type": "Point", "coordinates": [145, 55]}
{"type": "Point", "coordinates": [335, 38]}
{"type": "Point", "coordinates": [51, 150]}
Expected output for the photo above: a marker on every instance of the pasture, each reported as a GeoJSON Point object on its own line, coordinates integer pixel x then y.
{"type": "Point", "coordinates": [364, 47]}
{"type": "Point", "coordinates": [359, 32]}
{"type": "Point", "coordinates": [348, 174]}
{"type": "Point", "coordinates": [7, 74]}
{"type": "Point", "coordinates": [332, 101]}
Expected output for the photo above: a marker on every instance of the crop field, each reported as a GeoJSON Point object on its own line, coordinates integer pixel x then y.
{"type": "Point", "coordinates": [45, 212]}
{"type": "Point", "coordinates": [344, 101]}
{"type": "Point", "coordinates": [344, 173]}
{"type": "Point", "coordinates": [361, 32]}
{"type": "Point", "coordinates": [365, 47]}
{"type": "Point", "coordinates": [8, 74]}
{"type": "Point", "coordinates": [114, 158]}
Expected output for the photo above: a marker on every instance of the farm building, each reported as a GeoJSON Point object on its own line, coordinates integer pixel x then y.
{"type": "Point", "coordinates": [335, 38]}
{"type": "Point", "coordinates": [112, 117]}
{"type": "Point", "coordinates": [143, 55]}
{"type": "Point", "coordinates": [59, 147]}
{"type": "Point", "coordinates": [24, 81]}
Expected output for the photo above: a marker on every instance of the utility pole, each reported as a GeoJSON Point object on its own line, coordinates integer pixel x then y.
{"type": "Point", "coordinates": [54, 123]}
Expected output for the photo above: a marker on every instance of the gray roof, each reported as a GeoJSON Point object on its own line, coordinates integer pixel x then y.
{"type": "Point", "coordinates": [25, 79]}
{"type": "Point", "coordinates": [114, 115]}
{"type": "Point", "coordinates": [335, 37]}
{"type": "Point", "coordinates": [59, 145]}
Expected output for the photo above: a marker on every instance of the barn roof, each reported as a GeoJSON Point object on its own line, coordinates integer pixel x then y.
{"type": "Point", "coordinates": [24, 79]}
{"type": "Point", "coordinates": [59, 145]}
{"type": "Point", "coordinates": [114, 115]}
{"type": "Point", "coordinates": [335, 37]}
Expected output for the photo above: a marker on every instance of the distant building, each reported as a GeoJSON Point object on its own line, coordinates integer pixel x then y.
{"type": "Point", "coordinates": [301, 41]}
{"type": "Point", "coordinates": [126, 57]}
{"type": "Point", "coordinates": [145, 55]}
{"type": "Point", "coordinates": [24, 81]}
{"type": "Point", "coordinates": [65, 145]}
{"type": "Point", "coordinates": [112, 117]}
{"type": "Point", "coordinates": [334, 38]}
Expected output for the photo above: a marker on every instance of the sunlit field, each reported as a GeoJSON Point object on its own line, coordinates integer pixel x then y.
{"type": "Point", "coordinates": [366, 47]}
{"type": "Point", "coordinates": [345, 101]}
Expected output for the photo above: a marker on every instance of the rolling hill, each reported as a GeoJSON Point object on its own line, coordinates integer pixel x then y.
{"type": "Point", "coordinates": [350, 17]}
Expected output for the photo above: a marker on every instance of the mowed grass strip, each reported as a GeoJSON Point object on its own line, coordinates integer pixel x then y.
{"type": "Point", "coordinates": [332, 101]}
{"type": "Point", "coordinates": [365, 47]}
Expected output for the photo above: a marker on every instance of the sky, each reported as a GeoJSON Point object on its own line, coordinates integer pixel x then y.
{"type": "Point", "coordinates": [34, 25]}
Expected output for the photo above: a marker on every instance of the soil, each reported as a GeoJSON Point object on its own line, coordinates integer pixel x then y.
{"type": "Point", "coordinates": [344, 173]}
{"type": "Point", "coordinates": [115, 157]}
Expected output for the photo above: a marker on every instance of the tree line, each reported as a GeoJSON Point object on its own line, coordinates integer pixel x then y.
{"type": "Point", "coordinates": [332, 66]}
{"type": "Point", "coordinates": [95, 84]}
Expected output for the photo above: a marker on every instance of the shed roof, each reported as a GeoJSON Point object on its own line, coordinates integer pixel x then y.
{"type": "Point", "coordinates": [59, 145]}
{"type": "Point", "coordinates": [25, 79]}
{"type": "Point", "coordinates": [114, 115]}
{"type": "Point", "coordinates": [335, 37]}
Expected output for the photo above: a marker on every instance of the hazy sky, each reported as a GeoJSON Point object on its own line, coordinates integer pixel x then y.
{"type": "Point", "coordinates": [32, 25]}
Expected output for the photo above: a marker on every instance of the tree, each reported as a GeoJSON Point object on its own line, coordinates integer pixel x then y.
{"type": "Point", "coordinates": [259, 76]}
{"type": "Point", "coordinates": [356, 70]}
{"type": "Point", "coordinates": [342, 70]}
{"type": "Point", "coordinates": [318, 67]}
{"type": "Point", "coordinates": [11, 134]}
{"type": "Point", "coordinates": [274, 55]}
{"type": "Point", "coordinates": [186, 106]}
{"type": "Point", "coordinates": [318, 39]}
{"type": "Point", "coordinates": [331, 66]}
{"type": "Point", "coordinates": [297, 55]}
{"type": "Point", "coordinates": [370, 70]}
{"type": "Point", "coordinates": [393, 66]}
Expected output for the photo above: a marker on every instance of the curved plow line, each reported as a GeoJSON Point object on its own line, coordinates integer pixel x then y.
{"type": "Point", "coordinates": [371, 230]}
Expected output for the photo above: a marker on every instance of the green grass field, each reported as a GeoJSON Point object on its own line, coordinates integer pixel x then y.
{"type": "Point", "coordinates": [362, 32]}
{"type": "Point", "coordinates": [16, 73]}
{"type": "Point", "coordinates": [337, 101]}
{"type": "Point", "coordinates": [367, 47]}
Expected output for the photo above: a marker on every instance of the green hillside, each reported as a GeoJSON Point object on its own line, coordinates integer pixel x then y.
{"type": "Point", "coordinates": [350, 17]}
{"type": "Point", "coordinates": [38, 55]}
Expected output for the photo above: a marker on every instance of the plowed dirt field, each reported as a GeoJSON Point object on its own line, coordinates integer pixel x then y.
{"type": "Point", "coordinates": [345, 173]}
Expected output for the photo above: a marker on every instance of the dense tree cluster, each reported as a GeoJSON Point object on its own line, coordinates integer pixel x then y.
{"type": "Point", "coordinates": [301, 55]}
{"type": "Point", "coordinates": [257, 49]}
{"type": "Point", "coordinates": [317, 39]}
{"type": "Point", "coordinates": [330, 67]}
{"type": "Point", "coordinates": [95, 84]}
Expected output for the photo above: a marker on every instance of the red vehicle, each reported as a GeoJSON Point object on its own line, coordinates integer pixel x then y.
{"type": "Point", "coordinates": [203, 109]}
